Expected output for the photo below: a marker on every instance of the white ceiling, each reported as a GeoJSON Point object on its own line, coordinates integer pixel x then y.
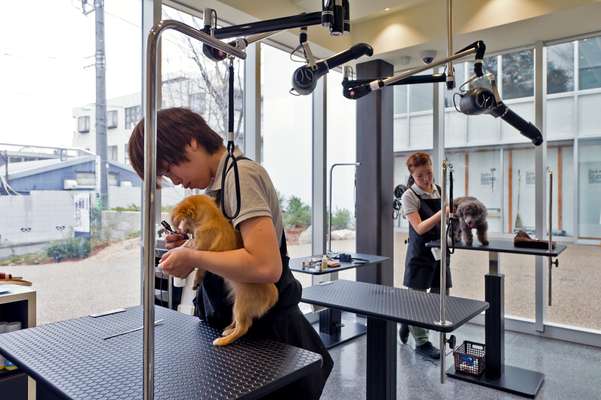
{"type": "Point", "coordinates": [363, 9]}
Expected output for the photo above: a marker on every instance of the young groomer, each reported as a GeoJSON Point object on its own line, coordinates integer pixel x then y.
{"type": "Point", "coordinates": [421, 207]}
{"type": "Point", "coordinates": [191, 154]}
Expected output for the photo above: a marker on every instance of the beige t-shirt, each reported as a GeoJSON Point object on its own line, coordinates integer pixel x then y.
{"type": "Point", "coordinates": [258, 197]}
{"type": "Point", "coordinates": [410, 199]}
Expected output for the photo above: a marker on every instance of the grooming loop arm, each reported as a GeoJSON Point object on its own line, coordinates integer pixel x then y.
{"type": "Point", "coordinates": [148, 212]}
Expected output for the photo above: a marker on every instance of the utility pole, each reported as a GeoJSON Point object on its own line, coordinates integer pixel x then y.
{"type": "Point", "coordinates": [100, 124]}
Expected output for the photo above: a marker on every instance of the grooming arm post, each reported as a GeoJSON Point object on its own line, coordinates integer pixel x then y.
{"type": "Point", "coordinates": [550, 260]}
{"type": "Point", "coordinates": [356, 164]}
{"type": "Point", "coordinates": [150, 120]}
{"type": "Point", "coordinates": [443, 270]}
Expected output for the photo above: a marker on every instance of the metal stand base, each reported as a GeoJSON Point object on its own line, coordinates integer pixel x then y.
{"type": "Point", "coordinates": [514, 380]}
{"type": "Point", "coordinates": [338, 330]}
{"type": "Point", "coordinates": [348, 332]}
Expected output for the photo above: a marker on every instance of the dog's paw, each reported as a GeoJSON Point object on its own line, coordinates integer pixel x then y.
{"type": "Point", "coordinates": [227, 332]}
{"type": "Point", "coordinates": [485, 243]}
{"type": "Point", "coordinates": [222, 341]}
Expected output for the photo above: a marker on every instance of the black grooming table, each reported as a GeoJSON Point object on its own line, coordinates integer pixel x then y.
{"type": "Point", "coordinates": [393, 304]}
{"type": "Point", "coordinates": [384, 306]}
{"type": "Point", "coordinates": [331, 328]}
{"type": "Point", "coordinates": [71, 360]}
{"type": "Point", "coordinates": [498, 375]}
{"type": "Point", "coordinates": [505, 246]}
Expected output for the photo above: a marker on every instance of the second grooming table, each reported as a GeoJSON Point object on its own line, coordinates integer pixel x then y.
{"type": "Point", "coordinates": [499, 375]}
{"type": "Point", "coordinates": [384, 306]}
{"type": "Point", "coordinates": [331, 328]}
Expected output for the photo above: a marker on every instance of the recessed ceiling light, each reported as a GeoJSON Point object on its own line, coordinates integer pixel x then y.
{"type": "Point", "coordinates": [387, 9]}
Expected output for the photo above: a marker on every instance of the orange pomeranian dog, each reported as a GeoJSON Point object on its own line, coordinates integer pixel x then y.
{"type": "Point", "coordinates": [199, 217]}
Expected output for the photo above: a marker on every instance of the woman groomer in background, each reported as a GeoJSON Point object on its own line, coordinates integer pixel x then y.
{"type": "Point", "coordinates": [421, 207]}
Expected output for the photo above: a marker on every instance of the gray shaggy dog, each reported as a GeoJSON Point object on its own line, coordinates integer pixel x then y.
{"type": "Point", "coordinates": [471, 214]}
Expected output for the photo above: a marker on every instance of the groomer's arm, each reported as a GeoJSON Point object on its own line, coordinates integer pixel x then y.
{"type": "Point", "coordinates": [258, 261]}
{"type": "Point", "coordinates": [424, 226]}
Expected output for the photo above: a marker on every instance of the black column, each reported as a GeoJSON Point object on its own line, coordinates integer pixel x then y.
{"type": "Point", "coordinates": [375, 174]}
{"type": "Point", "coordinates": [494, 328]}
{"type": "Point", "coordinates": [381, 359]}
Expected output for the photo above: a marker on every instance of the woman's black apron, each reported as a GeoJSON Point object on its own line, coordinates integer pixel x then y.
{"type": "Point", "coordinates": [283, 323]}
{"type": "Point", "coordinates": [422, 271]}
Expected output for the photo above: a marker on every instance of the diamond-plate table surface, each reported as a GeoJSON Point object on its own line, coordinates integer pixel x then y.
{"type": "Point", "coordinates": [393, 304]}
{"type": "Point", "coordinates": [73, 359]}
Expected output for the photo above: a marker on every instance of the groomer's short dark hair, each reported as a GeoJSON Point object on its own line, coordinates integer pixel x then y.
{"type": "Point", "coordinates": [176, 127]}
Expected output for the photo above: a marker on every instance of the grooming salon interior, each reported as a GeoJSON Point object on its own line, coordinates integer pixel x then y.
{"type": "Point", "coordinates": [300, 199]}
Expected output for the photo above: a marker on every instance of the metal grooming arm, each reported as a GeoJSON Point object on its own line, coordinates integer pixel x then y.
{"type": "Point", "coordinates": [150, 137]}
{"type": "Point", "coordinates": [358, 89]}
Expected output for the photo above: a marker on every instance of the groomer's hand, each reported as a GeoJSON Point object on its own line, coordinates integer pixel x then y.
{"type": "Point", "coordinates": [174, 240]}
{"type": "Point", "coordinates": [178, 262]}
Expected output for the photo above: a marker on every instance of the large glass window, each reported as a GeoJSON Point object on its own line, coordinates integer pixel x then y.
{"type": "Point", "coordinates": [589, 63]}
{"type": "Point", "coordinates": [560, 68]}
{"type": "Point", "coordinates": [589, 190]}
{"type": "Point", "coordinates": [80, 258]}
{"type": "Point", "coordinates": [193, 81]}
{"type": "Point", "coordinates": [420, 96]}
{"type": "Point", "coordinates": [518, 74]}
{"type": "Point", "coordinates": [287, 152]}
{"type": "Point", "coordinates": [341, 148]}
{"type": "Point", "coordinates": [460, 76]}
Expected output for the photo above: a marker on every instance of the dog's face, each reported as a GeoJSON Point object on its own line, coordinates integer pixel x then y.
{"type": "Point", "coordinates": [472, 214]}
{"type": "Point", "coordinates": [193, 211]}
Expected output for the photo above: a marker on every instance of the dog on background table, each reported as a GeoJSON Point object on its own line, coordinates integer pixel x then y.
{"type": "Point", "coordinates": [471, 214]}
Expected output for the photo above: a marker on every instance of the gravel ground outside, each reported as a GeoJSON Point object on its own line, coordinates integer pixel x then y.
{"type": "Point", "coordinates": [111, 279]}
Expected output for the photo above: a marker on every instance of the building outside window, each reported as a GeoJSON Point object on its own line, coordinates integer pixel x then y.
{"type": "Point", "coordinates": [112, 119]}
{"type": "Point", "coordinates": [113, 153]}
{"type": "Point", "coordinates": [132, 116]}
{"type": "Point", "coordinates": [83, 124]}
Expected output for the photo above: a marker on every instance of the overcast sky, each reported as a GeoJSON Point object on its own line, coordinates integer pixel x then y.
{"type": "Point", "coordinates": [47, 69]}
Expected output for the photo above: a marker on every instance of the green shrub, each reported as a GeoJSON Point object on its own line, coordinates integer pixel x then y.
{"type": "Point", "coordinates": [341, 219]}
{"type": "Point", "coordinates": [297, 213]}
{"type": "Point", "coordinates": [130, 207]}
{"type": "Point", "coordinates": [71, 248]}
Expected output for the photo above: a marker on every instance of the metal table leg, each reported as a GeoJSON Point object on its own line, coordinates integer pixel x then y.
{"type": "Point", "coordinates": [498, 375]}
{"type": "Point", "coordinates": [381, 359]}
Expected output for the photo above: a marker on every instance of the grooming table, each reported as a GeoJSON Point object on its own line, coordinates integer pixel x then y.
{"type": "Point", "coordinates": [331, 329]}
{"type": "Point", "coordinates": [384, 306]}
{"type": "Point", "coordinates": [71, 360]}
{"type": "Point", "coordinates": [498, 375]}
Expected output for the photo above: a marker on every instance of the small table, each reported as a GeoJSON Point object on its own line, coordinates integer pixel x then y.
{"type": "Point", "coordinates": [17, 303]}
{"type": "Point", "coordinates": [74, 360]}
{"type": "Point", "coordinates": [499, 375]}
{"type": "Point", "coordinates": [384, 307]}
{"type": "Point", "coordinates": [331, 328]}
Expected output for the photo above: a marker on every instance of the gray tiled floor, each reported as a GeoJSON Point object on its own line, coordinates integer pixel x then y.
{"type": "Point", "coordinates": [571, 371]}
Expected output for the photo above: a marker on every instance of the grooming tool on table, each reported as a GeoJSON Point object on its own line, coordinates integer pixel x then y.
{"type": "Point", "coordinates": [109, 312]}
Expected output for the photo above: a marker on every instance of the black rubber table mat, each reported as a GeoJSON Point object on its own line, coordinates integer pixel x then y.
{"type": "Point", "coordinates": [395, 304]}
{"type": "Point", "coordinates": [504, 246]}
{"type": "Point", "coordinates": [296, 264]}
{"type": "Point", "coordinates": [72, 358]}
